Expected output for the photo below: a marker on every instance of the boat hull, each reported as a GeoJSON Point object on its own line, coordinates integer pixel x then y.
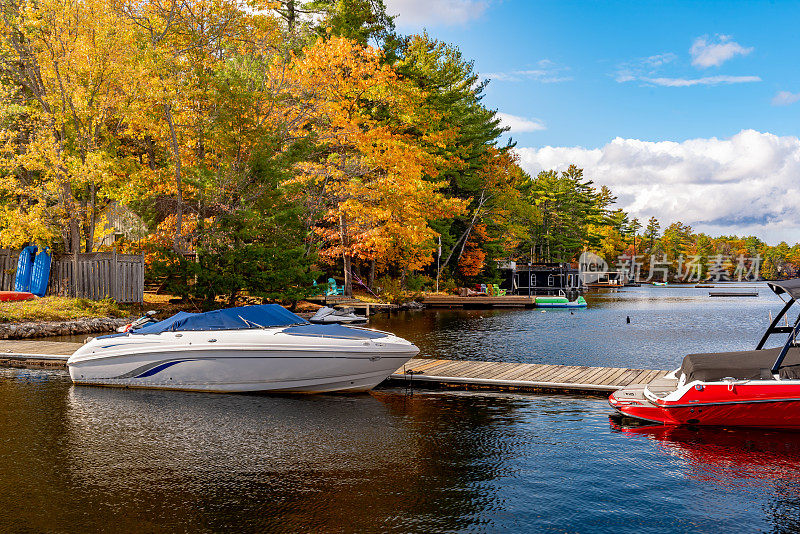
{"type": "Point", "coordinates": [230, 362]}
{"type": "Point", "coordinates": [756, 405]}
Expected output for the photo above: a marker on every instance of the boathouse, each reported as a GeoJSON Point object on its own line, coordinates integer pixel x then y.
{"type": "Point", "coordinates": [540, 278]}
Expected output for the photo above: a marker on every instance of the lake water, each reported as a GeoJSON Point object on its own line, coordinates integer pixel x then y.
{"type": "Point", "coordinates": [83, 459]}
{"type": "Point", "coordinates": [666, 324]}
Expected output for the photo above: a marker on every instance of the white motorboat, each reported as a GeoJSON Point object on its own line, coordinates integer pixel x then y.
{"type": "Point", "coordinates": [247, 349]}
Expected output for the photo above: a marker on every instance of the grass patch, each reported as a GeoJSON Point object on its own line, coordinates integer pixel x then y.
{"type": "Point", "coordinates": [62, 309]}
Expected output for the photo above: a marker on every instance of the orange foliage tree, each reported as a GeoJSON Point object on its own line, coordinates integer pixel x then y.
{"type": "Point", "coordinates": [368, 172]}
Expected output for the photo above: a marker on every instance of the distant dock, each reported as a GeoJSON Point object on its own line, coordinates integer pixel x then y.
{"type": "Point", "coordinates": [454, 301]}
{"type": "Point", "coordinates": [419, 372]}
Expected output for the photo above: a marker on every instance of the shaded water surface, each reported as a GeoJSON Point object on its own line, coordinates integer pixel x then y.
{"type": "Point", "coordinates": [93, 459]}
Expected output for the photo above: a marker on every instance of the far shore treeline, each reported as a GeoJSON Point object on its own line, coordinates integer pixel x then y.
{"type": "Point", "coordinates": [251, 148]}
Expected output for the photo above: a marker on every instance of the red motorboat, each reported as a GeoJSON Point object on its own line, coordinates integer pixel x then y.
{"type": "Point", "coordinates": [12, 296]}
{"type": "Point", "coordinates": [759, 388]}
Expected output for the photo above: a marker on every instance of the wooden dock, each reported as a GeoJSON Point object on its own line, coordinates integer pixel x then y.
{"type": "Point", "coordinates": [419, 372]}
{"type": "Point", "coordinates": [507, 376]}
{"type": "Point", "coordinates": [454, 301]}
{"type": "Point", "coordinates": [36, 354]}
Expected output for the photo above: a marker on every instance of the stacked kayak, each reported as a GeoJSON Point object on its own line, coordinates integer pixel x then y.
{"type": "Point", "coordinates": [560, 302]}
{"type": "Point", "coordinates": [22, 282]}
{"type": "Point", "coordinates": [33, 275]}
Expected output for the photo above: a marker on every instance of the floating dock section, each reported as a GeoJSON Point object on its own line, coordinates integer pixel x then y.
{"type": "Point", "coordinates": [36, 354]}
{"type": "Point", "coordinates": [507, 376]}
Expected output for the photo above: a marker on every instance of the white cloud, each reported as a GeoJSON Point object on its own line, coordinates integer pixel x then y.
{"type": "Point", "coordinates": [746, 184]}
{"type": "Point", "coordinates": [418, 13]}
{"type": "Point", "coordinates": [643, 67]}
{"type": "Point", "coordinates": [520, 124]}
{"type": "Point", "coordinates": [546, 71]}
{"type": "Point", "coordinates": [785, 98]}
{"type": "Point", "coordinates": [707, 80]}
{"type": "Point", "coordinates": [659, 59]}
{"type": "Point", "coordinates": [706, 53]}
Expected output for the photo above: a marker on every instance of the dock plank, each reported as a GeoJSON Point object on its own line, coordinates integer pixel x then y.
{"type": "Point", "coordinates": [419, 365]}
{"type": "Point", "coordinates": [636, 376]}
{"type": "Point", "coordinates": [450, 369]}
{"type": "Point", "coordinates": [612, 376]}
{"type": "Point", "coordinates": [489, 371]}
{"type": "Point", "coordinates": [541, 371]}
{"type": "Point", "coordinates": [568, 374]}
{"type": "Point", "coordinates": [515, 373]}
{"type": "Point", "coordinates": [501, 369]}
{"type": "Point", "coordinates": [534, 372]}
{"type": "Point", "coordinates": [550, 372]}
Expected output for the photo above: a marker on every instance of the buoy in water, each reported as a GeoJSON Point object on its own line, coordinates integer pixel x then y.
{"type": "Point", "coordinates": [629, 319]}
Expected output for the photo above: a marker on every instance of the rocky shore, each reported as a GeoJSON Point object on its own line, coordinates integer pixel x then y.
{"type": "Point", "coordinates": [87, 325]}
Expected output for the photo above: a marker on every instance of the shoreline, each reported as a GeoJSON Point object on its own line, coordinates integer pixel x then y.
{"type": "Point", "coordinates": [38, 329]}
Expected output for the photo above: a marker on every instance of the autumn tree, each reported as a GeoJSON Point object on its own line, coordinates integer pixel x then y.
{"type": "Point", "coordinates": [367, 169]}
{"type": "Point", "coordinates": [61, 73]}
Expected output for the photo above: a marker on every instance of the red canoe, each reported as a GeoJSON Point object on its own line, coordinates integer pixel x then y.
{"type": "Point", "coordinates": [10, 296]}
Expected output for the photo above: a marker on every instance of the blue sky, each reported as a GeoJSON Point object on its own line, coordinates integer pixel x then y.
{"type": "Point", "coordinates": [586, 44]}
{"type": "Point", "coordinates": [626, 87]}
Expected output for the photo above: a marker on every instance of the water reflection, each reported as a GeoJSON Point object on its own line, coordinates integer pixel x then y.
{"type": "Point", "coordinates": [735, 460]}
{"type": "Point", "coordinates": [369, 462]}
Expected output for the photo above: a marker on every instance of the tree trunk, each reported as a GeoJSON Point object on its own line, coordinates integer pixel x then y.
{"type": "Point", "coordinates": [177, 244]}
{"type": "Point", "coordinates": [371, 279]}
{"type": "Point", "coordinates": [150, 148]}
{"type": "Point", "coordinates": [291, 15]}
{"type": "Point", "coordinates": [463, 239]}
{"type": "Point", "coordinates": [348, 279]}
{"type": "Point", "coordinates": [74, 235]}
{"type": "Point", "coordinates": [92, 217]}
{"type": "Point", "coordinates": [347, 259]}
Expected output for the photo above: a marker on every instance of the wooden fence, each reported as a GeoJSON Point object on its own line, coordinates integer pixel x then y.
{"type": "Point", "coordinates": [95, 275]}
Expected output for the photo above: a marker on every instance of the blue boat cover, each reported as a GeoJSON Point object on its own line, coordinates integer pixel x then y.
{"type": "Point", "coordinates": [332, 330]}
{"type": "Point", "coordinates": [24, 267]}
{"type": "Point", "coordinates": [246, 317]}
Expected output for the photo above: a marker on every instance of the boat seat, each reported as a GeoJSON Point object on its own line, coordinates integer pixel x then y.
{"type": "Point", "coordinates": [741, 365]}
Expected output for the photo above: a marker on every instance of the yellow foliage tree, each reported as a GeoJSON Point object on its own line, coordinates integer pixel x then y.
{"type": "Point", "coordinates": [62, 67]}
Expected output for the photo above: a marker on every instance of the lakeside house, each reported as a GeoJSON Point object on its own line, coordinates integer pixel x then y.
{"type": "Point", "coordinates": [540, 278]}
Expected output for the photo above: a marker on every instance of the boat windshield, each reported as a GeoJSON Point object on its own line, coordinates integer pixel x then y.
{"type": "Point", "coordinates": [790, 288]}
{"type": "Point", "coordinates": [243, 318]}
